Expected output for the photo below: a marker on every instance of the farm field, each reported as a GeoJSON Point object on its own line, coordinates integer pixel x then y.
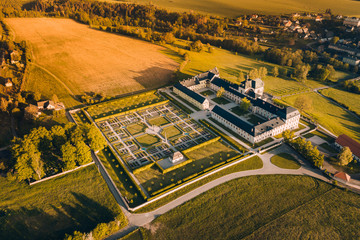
{"type": "Point", "coordinates": [235, 8]}
{"type": "Point", "coordinates": [351, 100]}
{"type": "Point", "coordinates": [234, 210]}
{"type": "Point", "coordinates": [76, 201]}
{"type": "Point", "coordinates": [112, 65]}
{"type": "Point", "coordinates": [330, 116]}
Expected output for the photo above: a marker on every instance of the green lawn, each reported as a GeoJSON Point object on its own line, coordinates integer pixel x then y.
{"type": "Point", "coordinates": [75, 201]}
{"type": "Point", "coordinates": [285, 160]}
{"type": "Point", "coordinates": [321, 135]}
{"type": "Point", "coordinates": [205, 157]}
{"type": "Point", "coordinates": [350, 100]}
{"type": "Point", "coordinates": [249, 164]}
{"type": "Point", "coordinates": [136, 128]}
{"type": "Point", "coordinates": [207, 93]}
{"type": "Point", "coordinates": [171, 131]}
{"type": "Point", "coordinates": [80, 117]}
{"type": "Point", "coordinates": [147, 140]}
{"type": "Point", "coordinates": [331, 116]}
{"type": "Point", "coordinates": [263, 142]}
{"type": "Point", "coordinates": [238, 111]}
{"type": "Point", "coordinates": [120, 178]}
{"type": "Point", "coordinates": [235, 8]}
{"type": "Point", "coordinates": [282, 207]}
{"type": "Point", "coordinates": [159, 121]}
{"type": "Point", "coordinates": [220, 100]}
{"type": "Point", "coordinates": [40, 81]}
{"type": "Point", "coordinates": [254, 119]}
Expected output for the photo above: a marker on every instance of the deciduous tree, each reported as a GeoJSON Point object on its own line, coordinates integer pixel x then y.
{"type": "Point", "coordinates": [345, 156]}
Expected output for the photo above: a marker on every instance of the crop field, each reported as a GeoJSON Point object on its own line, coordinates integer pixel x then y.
{"type": "Point", "coordinates": [311, 209]}
{"type": "Point", "coordinates": [76, 201]}
{"type": "Point", "coordinates": [350, 100]}
{"type": "Point", "coordinates": [235, 8]}
{"type": "Point", "coordinates": [330, 116]}
{"type": "Point", "coordinates": [88, 60]}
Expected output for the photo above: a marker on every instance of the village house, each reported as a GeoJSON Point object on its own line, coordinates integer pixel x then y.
{"type": "Point", "coordinates": [191, 96]}
{"type": "Point", "coordinates": [50, 105]}
{"type": "Point", "coordinates": [342, 177]}
{"type": "Point", "coordinates": [352, 61]}
{"type": "Point", "coordinates": [353, 22]}
{"type": "Point", "coordinates": [8, 83]}
{"type": "Point", "coordinates": [346, 141]}
{"type": "Point", "coordinates": [177, 157]}
{"type": "Point", "coordinates": [15, 57]}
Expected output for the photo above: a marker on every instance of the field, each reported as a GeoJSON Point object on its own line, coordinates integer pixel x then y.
{"type": "Point", "coordinates": [350, 100]}
{"type": "Point", "coordinates": [75, 201]}
{"type": "Point", "coordinates": [235, 8]}
{"type": "Point", "coordinates": [330, 116]}
{"type": "Point", "coordinates": [311, 210]}
{"type": "Point", "coordinates": [113, 64]}
{"type": "Point", "coordinates": [285, 160]}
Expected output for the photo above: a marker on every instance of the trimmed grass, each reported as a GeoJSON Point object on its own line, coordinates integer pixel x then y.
{"type": "Point", "coordinates": [159, 121]}
{"type": "Point", "coordinates": [80, 117]}
{"type": "Point", "coordinates": [249, 164]}
{"type": "Point", "coordinates": [75, 201]}
{"type": "Point", "coordinates": [120, 178]}
{"type": "Point", "coordinates": [255, 119]}
{"type": "Point", "coordinates": [350, 100]}
{"type": "Point", "coordinates": [238, 111]}
{"type": "Point", "coordinates": [207, 93]}
{"type": "Point", "coordinates": [321, 135]}
{"type": "Point", "coordinates": [285, 160]}
{"type": "Point", "coordinates": [147, 140]}
{"type": "Point", "coordinates": [136, 128]}
{"type": "Point", "coordinates": [220, 100]}
{"type": "Point", "coordinates": [234, 210]}
{"type": "Point", "coordinates": [263, 142]}
{"type": "Point", "coordinates": [331, 116]}
{"type": "Point", "coordinates": [204, 157]}
{"type": "Point", "coordinates": [171, 131]}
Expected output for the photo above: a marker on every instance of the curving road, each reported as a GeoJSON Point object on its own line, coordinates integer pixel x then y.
{"type": "Point", "coordinates": [138, 220]}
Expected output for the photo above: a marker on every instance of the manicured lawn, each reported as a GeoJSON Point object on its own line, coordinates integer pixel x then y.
{"type": "Point", "coordinates": [331, 116]}
{"type": "Point", "coordinates": [220, 100]}
{"type": "Point", "coordinates": [76, 201]}
{"type": "Point", "coordinates": [252, 118]}
{"type": "Point", "coordinates": [238, 111]}
{"type": "Point", "coordinates": [350, 100]}
{"type": "Point", "coordinates": [80, 117]}
{"type": "Point", "coordinates": [147, 140]}
{"type": "Point", "coordinates": [159, 121]}
{"type": "Point", "coordinates": [285, 160]}
{"type": "Point", "coordinates": [263, 142]}
{"type": "Point", "coordinates": [136, 128]}
{"type": "Point", "coordinates": [264, 207]}
{"type": "Point", "coordinates": [207, 93]}
{"type": "Point", "coordinates": [249, 164]}
{"type": "Point", "coordinates": [120, 178]}
{"type": "Point", "coordinates": [205, 157]}
{"type": "Point", "coordinates": [321, 135]}
{"type": "Point", "coordinates": [171, 131]}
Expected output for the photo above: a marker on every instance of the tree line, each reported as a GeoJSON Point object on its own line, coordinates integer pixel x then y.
{"type": "Point", "coordinates": [45, 152]}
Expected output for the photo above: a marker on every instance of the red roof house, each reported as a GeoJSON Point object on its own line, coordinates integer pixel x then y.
{"type": "Point", "coordinates": [346, 141]}
{"type": "Point", "coordinates": [342, 177]}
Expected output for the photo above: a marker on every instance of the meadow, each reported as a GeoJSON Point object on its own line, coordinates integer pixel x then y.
{"type": "Point", "coordinates": [348, 99]}
{"type": "Point", "coordinates": [111, 65]}
{"type": "Point", "coordinates": [76, 201]}
{"type": "Point", "coordinates": [282, 207]}
{"type": "Point", "coordinates": [235, 8]}
{"type": "Point", "coordinates": [332, 117]}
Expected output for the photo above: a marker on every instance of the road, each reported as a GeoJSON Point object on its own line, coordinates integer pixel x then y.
{"type": "Point", "coordinates": [139, 220]}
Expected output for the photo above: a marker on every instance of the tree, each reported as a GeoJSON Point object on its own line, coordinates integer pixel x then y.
{"type": "Point", "coordinates": [245, 104]}
{"type": "Point", "coordinates": [301, 72]}
{"type": "Point", "coordinates": [254, 73]}
{"type": "Point", "coordinates": [54, 98]}
{"type": "Point", "coordinates": [275, 71]}
{"type": "Point", "coordinates": [241, 76]}
{"type": "Point", "coordinates": [95, 140]}
{"type": "Point", "coordinates": [23, 167]}
{"type": "Point", "coordinates": [288, 135]}
{"type": "Point", "coordinates": [68, 152]}
{"type": "Point", "coordinates": [37, 96]}
{"type": "Point", "coordinates": [196, 46]}
{"type": "Point", "coordinates": [220, 92]}
{"type": "Point", "coordinates": [83, 153]}
{"type": "Point", "coordinates": [345, 156]}
{"type": "Point", "coordinates": [4, 105]}
{"type": "Point", "coordinates": [335, 40]}
{"type": "Point", "coordinates": [303, 103]}
{"type": "Point", "coordinates": [262, 72]}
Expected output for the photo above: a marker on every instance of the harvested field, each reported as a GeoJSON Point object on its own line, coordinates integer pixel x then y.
{"type": "Point", "coordinates": [88, 60]}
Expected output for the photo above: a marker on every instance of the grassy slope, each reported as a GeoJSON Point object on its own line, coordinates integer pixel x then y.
{"type": "Point", "coordinates": [264, 207]}
{"type": "Point", "coordinates": [235, 8]}
{"type": "Point", "coordinates": [351, 100]}
{"type": "Point", "coordinates": [75, 201]}
{"type": "Point", "coordinates": [330, 116]}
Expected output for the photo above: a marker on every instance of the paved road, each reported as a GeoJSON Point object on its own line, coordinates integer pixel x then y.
{"type": "Point", "coordinates": [138, 220]}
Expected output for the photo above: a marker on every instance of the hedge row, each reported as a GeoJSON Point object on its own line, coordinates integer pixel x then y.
{"type": "Point", "coordinates": [201, 145]}
{"type": "Point", "coordinates": [129, 175]}
{"type": "Point", "coordinates": [163, 171]}
{"type": "Point", "coordinates": [143, 168]}
{"type": "Point", "coordinates": [132, 110]}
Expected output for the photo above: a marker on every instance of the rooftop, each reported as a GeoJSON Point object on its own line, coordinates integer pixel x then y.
{"type": "Point", "coordinates": [197, 97]}
{"type": "Point", "coordinates": [346, 141]}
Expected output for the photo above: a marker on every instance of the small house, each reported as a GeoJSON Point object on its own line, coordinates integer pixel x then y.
{"type": "Point", "coordinates": [342, 177]}
{"type": "Point", "coordinates": [346, 141]}
{"type": "Point", "coordinates": [177, 157]}
{"type": "Point", "coordinates": [8, 83]}
{"type": "Point", "coordinates": [32, 112]}
{"type": "Point", "coordinates": [15, 57]}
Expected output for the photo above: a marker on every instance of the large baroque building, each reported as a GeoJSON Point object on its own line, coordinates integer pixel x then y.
{"type": "Point", "coordinates": [277, 119]}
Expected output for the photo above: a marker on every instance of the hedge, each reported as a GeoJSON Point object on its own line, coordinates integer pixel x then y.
{"type": "Point", "coordinates": [143, 168]}
{"type": "Point", "coordinates": [201, 145]}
